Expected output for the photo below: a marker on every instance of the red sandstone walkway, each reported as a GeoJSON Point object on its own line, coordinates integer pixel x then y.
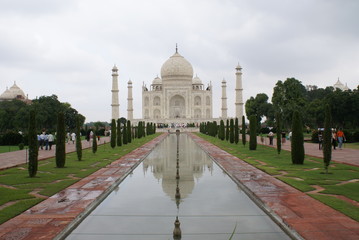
{"type": "Point", "coordinates": [15, 158]}
{"type": "Point", "coordinates": [307, 216]}
{"type": "Point", "coordinates": [53, 217]}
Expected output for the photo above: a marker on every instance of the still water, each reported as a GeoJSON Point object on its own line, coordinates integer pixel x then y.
{"type": "Point", "coordinates": [208, 204]}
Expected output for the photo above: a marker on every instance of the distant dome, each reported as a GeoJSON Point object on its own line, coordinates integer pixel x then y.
{"type": "Point", "coordinates": [16, 91]}
{"type": "Point", "coordinates": [176, 66]}
{"type": "Point", "coordinates": [339, 85]}
{"type": "Point", "coordinates": [6, 95]}
{"type": "Point", "coordinates": [196, 80]}
{"type": "Point", "coordinates": [157, 81]}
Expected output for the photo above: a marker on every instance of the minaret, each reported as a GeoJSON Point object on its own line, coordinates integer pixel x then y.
{"type": "Point", "coordinates": [129, 101]}
{"type": "Point", "coordinates": [115, 105]}
{"type": "Point", "coordinates": [224, 99]}
{"type": "Point", "coordinates": [239, 90]}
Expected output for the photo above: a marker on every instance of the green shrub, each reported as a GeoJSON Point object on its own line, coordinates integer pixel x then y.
{"type": "Point", "coordinates": [297, 143]}
{"type": "Point", "coordinates": [252, 132]}
{"type": "Point", "coordinates": [21, 146]}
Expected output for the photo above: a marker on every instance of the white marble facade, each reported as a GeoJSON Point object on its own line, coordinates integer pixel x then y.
{"type": "Point", "coordinates": [177, 97]}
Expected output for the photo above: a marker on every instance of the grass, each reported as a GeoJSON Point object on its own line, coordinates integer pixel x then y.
{"type": "Point", "coordinates": [4, 149]}
{"type": "Point", "coordinates": [301, 177]}
{"type": "Point", "coordinates": [15, 185]}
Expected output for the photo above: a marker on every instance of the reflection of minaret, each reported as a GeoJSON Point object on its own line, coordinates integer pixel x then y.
{"type": "Point", "coordinates": [129, 101]}
{"type": "Point", "coordinates": [239, 90]}
{"type": "Point", "coordinates": [224, 99]}
{"type": "Point", "coordinates": [115, 105]}
{"type": "Point", "coordinates": [177, 233]}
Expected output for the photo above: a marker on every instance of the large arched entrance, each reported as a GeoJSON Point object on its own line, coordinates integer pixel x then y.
{"type": "Point", "coordinates": [177, 107]}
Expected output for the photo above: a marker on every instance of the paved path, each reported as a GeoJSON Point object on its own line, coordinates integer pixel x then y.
{"type": "Point", "coordinates": [346, 155]}
{"type": "Point", "coordinates": [15, 158]}
{"type": "Point", "coordinates": [295, 210]}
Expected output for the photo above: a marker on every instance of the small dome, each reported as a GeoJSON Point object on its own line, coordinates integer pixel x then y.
{"type": "Point", "coordinates": [129, 81]}
{"type": "Point", "coordinates": [114, 69]}
{"type": "Point", "coordinates": [224, 81]}
{"type": "Point", "coordinates": [176, 66]}
{"type": "Point", "coordinates": [157, 81]}
{"type": "Point", "coordinates": [16, 91]}
{"type": "Point", "coordinates": [6, 95]}
{"type": "Point", "coordinates": [339, 85]}
{"type": "Point", "coordinates": [196, 80]}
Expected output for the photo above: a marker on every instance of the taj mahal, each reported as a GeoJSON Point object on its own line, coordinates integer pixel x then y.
{"type": "Point", "coordinates": [177, 97]}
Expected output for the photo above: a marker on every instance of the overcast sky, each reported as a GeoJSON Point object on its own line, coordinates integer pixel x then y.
{"type": "Point", "coordinates": [68, 47]}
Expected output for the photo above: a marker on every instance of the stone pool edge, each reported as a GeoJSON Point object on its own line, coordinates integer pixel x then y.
{"type": "Point", "coordinates": [57, 216]}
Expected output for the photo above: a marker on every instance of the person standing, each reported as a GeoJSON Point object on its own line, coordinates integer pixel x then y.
{"type": "Point", "coordinates": [51, 140]}
{"type": "Point", "coordinates": [334, 139]}
{"type": "Point", "coordinates": [270, 135]}
{"type": "Point", "coordinates": [73, 137]}
{"type": "Point", "coordinates": [341, 138]}
{"type": "Point", "coordinates": [320, 139]}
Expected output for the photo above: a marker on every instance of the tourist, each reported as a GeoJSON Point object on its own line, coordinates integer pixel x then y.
{"type": "Point", "coordinates": [46, 140]}
{"type": "Point", "coordinates": [320, 139]}
{"type": "Point", "coordinates": [270, 135]}
{"type": "Point", "coordinates": [51, 140]}
{"type": "Point", "coordinates": [341, 138]}
{"type": "Point", "coordinates": [42, 140]}
{"type": "Point", "coordinates": [290, 136]}
{"type": "Point", "coordinates": [73, 137]}
{"type": "Point", "coordinates": [283, 137]}
{"type": "Point", "coordinates": [334, 139]}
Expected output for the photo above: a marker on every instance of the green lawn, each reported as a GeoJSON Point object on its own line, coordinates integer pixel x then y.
{"type": "Point", "coordinates": [50, 180]}
{"type": "Point", "coordinates": [303, 176]}
{"type": "Point", "coordinates": [4, 149]}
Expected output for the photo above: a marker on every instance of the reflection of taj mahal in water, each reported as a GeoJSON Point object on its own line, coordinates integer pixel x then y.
{"type": "Point", "coordinates": [192, 165]}
{"type": "Point", "coordinates": [177, 97]}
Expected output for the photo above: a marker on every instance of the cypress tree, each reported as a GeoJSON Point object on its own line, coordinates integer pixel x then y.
{"type": "Point", "coordinates": [297, 143]}
{"type": "Point", "coordinates": [253, 132]}
{"type": "Point", "coordinates": [279, 130]}
{"type": "Point", "coordinates": [227, 130]}
{"type": "Point", "coordinates": [143, 129]}
{"type": "Point", "coordinates": [60, 141]}
{"type": "Point", "coordinates": [139, 130]}
{"type": "Point", "coordinates": [221, 130]}
{"type": "Point", "coordinates": [236, 131]}
{"type": "Point", "coordinates": [124, 134]}
{"type": "Point", "coordinates": [215, 128]}
{"type": "Point", "coordinates": [154, 128]}
{"type": "Point", "coordinates": [94, 142]}
{"type": "Point", "coordinates": [113, 133]}
{"type": "Point", "coordinates": [231, 131]}
{"type": "Point", "coordinates": [243, 131]}
{"type": "Point", "coordinates": [119, 134]}
{"type": "Point", "coordinates": [33, 147]}
{"type": "Point", "coordinates": [327, 139]}
{"type": "Point", "coordinates": [78, 138]}
{"type": "Point", "coordinates": [129, 131]}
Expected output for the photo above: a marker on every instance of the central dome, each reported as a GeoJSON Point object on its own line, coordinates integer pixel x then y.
{"type": "Point", "coordinates": [176, 66]}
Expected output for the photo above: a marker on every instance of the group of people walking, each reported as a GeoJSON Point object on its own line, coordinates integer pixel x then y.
{"type": "Point", "coordinates": [338, 138]}
{"type": "Point", "coordinates": [45, 140]}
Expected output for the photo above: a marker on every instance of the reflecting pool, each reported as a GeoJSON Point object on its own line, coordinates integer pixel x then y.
{"type": "Point", "coordinates": [177, 180]}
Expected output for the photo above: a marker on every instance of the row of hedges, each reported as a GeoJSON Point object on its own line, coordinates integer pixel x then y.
{"type": "Point", "coordinates": [12, 138]}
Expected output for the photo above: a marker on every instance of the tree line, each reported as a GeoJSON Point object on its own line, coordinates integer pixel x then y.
{"type": "Point", "coordinates": [290, 95]}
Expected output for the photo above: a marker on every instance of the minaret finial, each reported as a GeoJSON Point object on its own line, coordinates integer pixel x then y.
{"type": "Point", "coordinates": [176, 48]}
